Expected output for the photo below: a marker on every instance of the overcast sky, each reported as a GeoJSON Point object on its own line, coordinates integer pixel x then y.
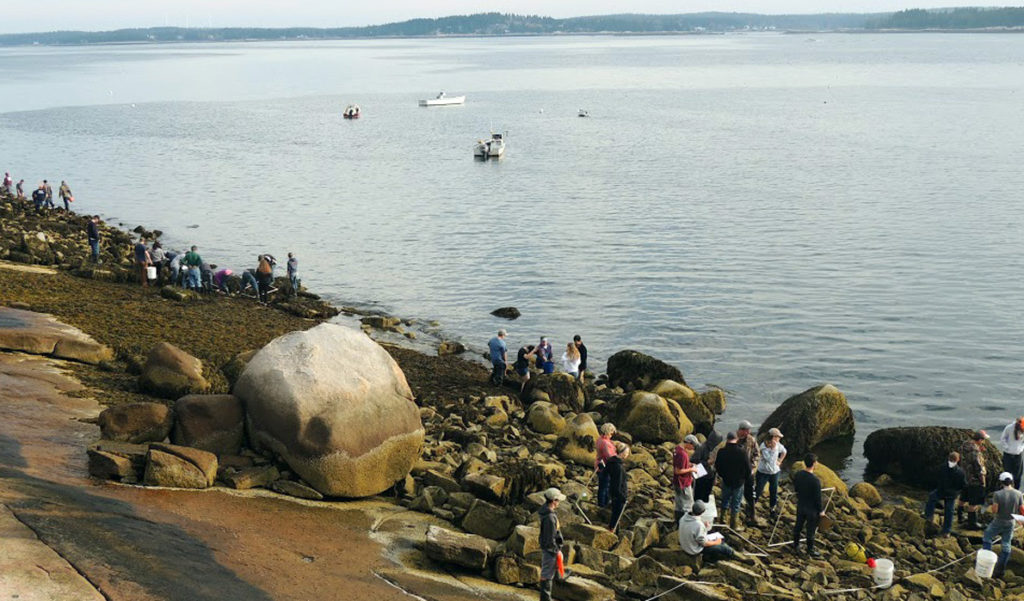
{"type": "Point", "coordinates": [49, 15]}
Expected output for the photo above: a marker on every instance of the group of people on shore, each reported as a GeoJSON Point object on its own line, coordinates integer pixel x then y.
{"type": "Point", "coordinates": [42, 196]}
{"type": "Point", "coordinates": [574, 358]}
{"type": "Point", "coordinates": [188, 270]}
{"type": "Point", "coordinates": [961, 484]}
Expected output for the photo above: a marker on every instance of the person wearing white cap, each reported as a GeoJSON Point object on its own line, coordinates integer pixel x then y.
{"type": "Point", "coordinates": [1005, 502]}
{"type": "Point", "coordinates": [551, 541]}
{"type": "Point", "coordinates": [769, 466]}
{"type": "Point", "coordinates": [972, 459]}
{"type": "Point", "coordinates": [499, 357]}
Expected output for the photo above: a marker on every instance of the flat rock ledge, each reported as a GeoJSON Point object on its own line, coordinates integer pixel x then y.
{"type": "Point", "coordinates": [41, 334]}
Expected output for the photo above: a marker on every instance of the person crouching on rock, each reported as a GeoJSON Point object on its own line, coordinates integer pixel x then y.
{"type": "Point", "coordinates": [951, 481]}
{"type": "Point", "coordinates": [809, 509]}
{"type": "Point", "coordinates": [551, 541]}
{"type": "Point", "coordinates": [617, 483]}
{"type": "Point", "coordinates": [522, 364]}
{"type": "Point", "coordinates": [605, 450]}
{"type": "Point", "coordinates": [694, 539]}
{"type": "Point", "coordinates": [682, 475]}
{"type": "Point", "coordinates": [1005, 502]}
{"type": "Point", "coordinates": [972, 459]}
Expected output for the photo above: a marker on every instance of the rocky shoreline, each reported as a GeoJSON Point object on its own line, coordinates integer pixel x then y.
{"type": "Point", "coordinates": [487, 452]}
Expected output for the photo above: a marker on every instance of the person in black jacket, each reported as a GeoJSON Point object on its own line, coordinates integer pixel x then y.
{"type": "Point", "coordinates": [809, 508]}
{"type": "Point", "coordinates": [702, 487]}
{"type": "Point", "coordinates": [951, 480]}
{"type": "Point", "coordinates": [733, 466]}
{"type": "Point", "coordinates": [92, 230]}
{"type": "Point", "coordinates": [551, 541]}
{"type": "Point", "coordinates": [617, 483]}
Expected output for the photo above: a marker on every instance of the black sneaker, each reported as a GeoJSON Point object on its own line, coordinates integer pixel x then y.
{"type": "Point", "coordinates": [816, 554]}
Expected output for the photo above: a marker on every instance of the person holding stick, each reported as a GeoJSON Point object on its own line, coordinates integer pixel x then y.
{"type": "Point", "coordinates": [551, 541]}
{"type": "Point", "coordinates": [617, 483]}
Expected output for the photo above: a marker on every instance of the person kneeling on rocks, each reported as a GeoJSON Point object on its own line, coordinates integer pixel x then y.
{"type": "Point", "coordinates": [695, 540]}
{"type": "Point", "coordinates": [551, 541]}
{"type": "Point", "coordinates": [1005, 502]}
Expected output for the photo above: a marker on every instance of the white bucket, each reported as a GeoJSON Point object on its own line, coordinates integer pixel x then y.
{"type": "Point", "coordinates": [985, 563]}
{"type": "Point", "coordinates": [883, 572]}
{"type": "Point", "coordinates": [151, 272]}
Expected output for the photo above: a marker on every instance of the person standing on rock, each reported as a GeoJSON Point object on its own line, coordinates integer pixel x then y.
{"type": "Point", "coordinates": [142, 260]}
{"type": "Point", "coordinates": [571, 361]}
{"type": "Point", "coordinates": [545, 356]}
{"type": "Point", "coordinates": [972, 458]}
{"type": "Point", "coordinates": [1005, 502]}
{"type": "Point", "coordinates": [809, 508]}
{"type": "Point", "coordinates": [293, 272]}
{"type": "Point", "coordinates": [605, 449]}
{"type": "Point", "coordinates": [522, 364]}
{"type": "Point", "coordinates": [951, 481]}
{"type": "Point", "coordinates": [682, 475]}
{"type": "Point", "coordinates": [265, 276]}
{"type": "Point", "coordinates": [20, 189]}
{"type": "Point", "coordinates": [8, 181]}
{"type": "Point", "coordinates": [618, 488]}
{"type": "Point", "coordinates": [49, 195]}
{"type": "Point", "coordinates": [92, 231]}
{"type": "Point", "coordinates": [39, 198]}
{"type": "Point", "coordinates": [694, 539]}
{"type": "Point", "coordinates": [1012, 442]}
{"type": "Point", "coordinates": [748, 443]}
{"type": "Point", "coordinates": [65, 195]}
{"type": "Point", "coordinates": [192, 261]}
{"type": "Point", "coordinates": [769, 466]}
{"type": "Point", "coordinates": [551, 541]}
{"type": "Point", "coordinates": [702, 487]}
{"type": "Point", "coordinates": [733, 465]}
{"type": "Point", "coordinates": [578, 341]}
{"type": "Point", "coordinates": [499, 357]}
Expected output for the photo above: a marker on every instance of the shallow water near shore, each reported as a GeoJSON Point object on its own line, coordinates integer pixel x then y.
{"type": "Point", "coordinates": [767, 212]}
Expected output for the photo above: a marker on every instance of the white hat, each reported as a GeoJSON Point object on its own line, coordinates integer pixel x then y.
{"type": "Point", "coordinates": [553, 494]}
{"type": "Point", "coordinates": [1006, 477]}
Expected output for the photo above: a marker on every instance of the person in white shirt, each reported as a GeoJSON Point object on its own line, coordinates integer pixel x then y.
{"type": "Point", "coordinates": [1012, 442]}
{"type": "Point", "coordinates": [769, 466]}
{"type": "Point", "coordinates": [695, 540]}
{"type": "Point", "coordinates": [571, 360]}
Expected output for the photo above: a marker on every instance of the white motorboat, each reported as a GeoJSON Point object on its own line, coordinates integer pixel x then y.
{"type": "Point", "coordinates": [443, 99]}
{"type": "Point", "coordinates": [490, 149]}
{"type": "Point", "coordinates": [352, 111]}
{"type": "Point", "coordinates": [584, 113]}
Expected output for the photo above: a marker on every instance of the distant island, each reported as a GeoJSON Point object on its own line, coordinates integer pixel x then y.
{"type": "Point", "coordinates": [500, 24]}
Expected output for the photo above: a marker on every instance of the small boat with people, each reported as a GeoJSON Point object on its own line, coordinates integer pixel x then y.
{"type": "Point", "coordinates": [490, 149]}
{"type": "Point", "coordinates": [443, 99]}
{"type": "Point", "coordinates": [352, 111]}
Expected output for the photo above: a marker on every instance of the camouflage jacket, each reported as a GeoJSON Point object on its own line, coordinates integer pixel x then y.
{"type": "Point", "coordinates": [973, 462]}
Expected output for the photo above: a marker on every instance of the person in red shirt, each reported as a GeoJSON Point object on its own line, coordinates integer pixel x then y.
{"type": "Point", "coordinates": [605, 450]}
{"type": "Point", "coordinates": [682, 479]}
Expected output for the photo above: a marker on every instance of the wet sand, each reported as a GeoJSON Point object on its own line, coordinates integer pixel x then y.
{"type": "Point", "coordinates": [140, 544]}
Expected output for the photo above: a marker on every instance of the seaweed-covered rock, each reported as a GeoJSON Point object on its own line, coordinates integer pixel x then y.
{"type": "Point", "coordinates": [506, 313]}
{"type": "Point", "coordinates": [577, 441]}
{"type": "Point", "coordinates": [633, 370]}
{"type": "Point", "coordinates": [652, 418]}
{"type": "Point", "coordinates": [829, 479]}
{"type": "Point", "coordinates": [544, 417]}
{"type": "Point", "coordinates": [233, 369]}
{"type": "Point", "coordinates": [866, 492]}
{"type": "Point", "coordinates": [811, 417]}
{"type": "Point", "coordinates": [172, 373]}
{"type": "Point", "coordinates": [336, 407]}
{"type": "Point", "coordinates": [561, 389]}
{"type": "Point", "coordinates": [136, 422]}
{"type": "Point", "coordinates": [914, 454]}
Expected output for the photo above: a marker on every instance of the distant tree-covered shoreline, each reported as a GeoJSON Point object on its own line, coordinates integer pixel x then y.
{"type": "Point", "coordinates": [498, 24]}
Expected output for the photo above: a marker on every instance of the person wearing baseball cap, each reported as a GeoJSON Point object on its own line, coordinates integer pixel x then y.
{"type": "Point", "coordinates": [769, 467]}
{"type": "Point", "coordinates": [972, 459]}
{"type": "Point", "coordinates": [682, 475]}
{"type": "Point", "coordinates": [733, 465]}
{"type": "Point", "coordinates": [745, 440]}
{"type": "Point", "coordinates": [551, 541]}
{"type": "Point", "coordinates": [1012, 443]}
{"type": "Point", "coordinates": [1005, 502]}
{"type": "Point", "coordinates": [694, 539]}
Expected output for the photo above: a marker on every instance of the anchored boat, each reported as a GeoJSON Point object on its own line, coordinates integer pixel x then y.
{"type": "Point", "coordinates": [443, 99]}
{"type": "Point", "coordinates": [352, 111]}
{"type": "Point", "coordinates": [490, 149]}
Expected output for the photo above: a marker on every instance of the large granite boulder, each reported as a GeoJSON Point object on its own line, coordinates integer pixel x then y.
{"type": "Point", "coordinates": [811, 417]}
{"type": "Point", "coordinates": [652, 418]}
{"type": "Point", "coordinates": [136, 422]}
{"type": "Point", "coordinates": [171, 373]}
{"type": "Point", "coordinates": [560, 389]}
{"type": "Point", "coordinates": [633, 370]}
{"type": "Point", "coordinates": [41, 334]}
{"type": "Point", "coordinates": [702, 417]}
{"type": "Point", "coordinates": [829, 479]}
{"type": "Point", "coordinates": [336, 407]}
{"type": "Point", "coordinates": [914, 454]}
{"type": "Point", "coordinates": [211, 422]}
{"type": "Point", "coordinates": [544, 417]}
{"type": "Point", "coordinates": [577, 442]}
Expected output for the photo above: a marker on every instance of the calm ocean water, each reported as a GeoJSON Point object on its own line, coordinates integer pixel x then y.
{"type": "Point", "coordinates": [768, 212]}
